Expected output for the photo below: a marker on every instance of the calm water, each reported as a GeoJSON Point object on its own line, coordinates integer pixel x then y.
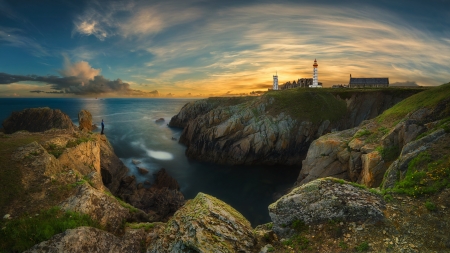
{"type": "Point", "coordinates": [130, 127]}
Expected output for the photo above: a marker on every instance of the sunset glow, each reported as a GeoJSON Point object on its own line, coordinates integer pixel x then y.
{"type": "Point", "coordinates": [212, 48]}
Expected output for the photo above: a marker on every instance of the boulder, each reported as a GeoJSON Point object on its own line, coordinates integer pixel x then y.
{"type": "Point", "coordinates": [142, 171]}
{"type": "Point", "coordinates": [85, 120]}
{"type": "Point", "coordinates": [323, 200]}
{"type": "Point", "coordinates": [37, 120]}
{"type": "Point", "coordinates": [160, 120]}
{"type": "Point", "coordinates": [99, 206]}
{"type": "Point", "coordinates": [163, 179]}
{"type": "Point", "coordinates": [205, 224]}
{"type": "Point", "coordinates": [88, 239]}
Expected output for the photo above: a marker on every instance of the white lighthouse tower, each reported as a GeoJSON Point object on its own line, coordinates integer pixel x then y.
{"type": "Point", "coordinates": [275, 81]}
{"type": "Point", "coordinates": [315, 80]}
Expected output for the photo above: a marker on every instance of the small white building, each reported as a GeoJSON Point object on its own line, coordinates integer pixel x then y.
{"type": "Point", "coordinates": [275, 81]}
{"type": "Point", "coordinates": [315, 78]}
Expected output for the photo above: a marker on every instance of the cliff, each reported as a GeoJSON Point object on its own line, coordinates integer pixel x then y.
{"type": "Point", "coordinates": [278, 127]}
{"type": "Point", "coordinates": [391, 140]}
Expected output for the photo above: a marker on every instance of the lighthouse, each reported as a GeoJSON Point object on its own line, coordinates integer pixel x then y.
{"type": "Point", "coordinates": [275, 81]}
{"type": "Point", "coordinates": [315, 80]}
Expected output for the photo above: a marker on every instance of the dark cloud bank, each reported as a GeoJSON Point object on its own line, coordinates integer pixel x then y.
{"type": "Point", "coordinates": [77, 85]}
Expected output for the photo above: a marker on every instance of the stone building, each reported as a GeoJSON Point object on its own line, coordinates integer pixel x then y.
{"type": "Point", "coordinates": [372, 82]}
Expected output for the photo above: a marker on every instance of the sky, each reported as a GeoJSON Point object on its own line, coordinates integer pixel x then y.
{"type": "Point", "coordinates": [200, 48]}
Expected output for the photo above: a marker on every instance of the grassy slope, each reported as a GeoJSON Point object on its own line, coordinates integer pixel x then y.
{"type": "Point", "coordinates": [426, 99]}
{"type": "Point", "coordinates": [10, 176]}
{"type": "Point", "coordinates": [321, 104]}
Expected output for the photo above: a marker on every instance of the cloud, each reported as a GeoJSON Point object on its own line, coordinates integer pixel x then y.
{"type": "Point", "coordinates": [133, 18]}
{"type": "Point", "coordinates": [37, 91]}
{"type": "Point", "coordinates": [80, 70]}
{"type": "Point", "coordinates": [405, 83]}
{"type": "Point", "coordinates": [78, 86]}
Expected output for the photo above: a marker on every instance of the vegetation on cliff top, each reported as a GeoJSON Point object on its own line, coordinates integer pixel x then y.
{"type": "Point", "coordinates": [322, 104]}
{"type": "Point", "coordinates": [426, 99]}
{"type": "Point", "coordinates": [315, 105]}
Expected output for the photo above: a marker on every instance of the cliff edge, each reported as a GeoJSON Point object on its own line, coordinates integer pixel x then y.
{"type": "Point", "coordinates": [278, 127]}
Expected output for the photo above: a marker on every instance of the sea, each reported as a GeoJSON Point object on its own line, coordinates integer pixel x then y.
{"type": "Point", "coordinates": [131, 128]}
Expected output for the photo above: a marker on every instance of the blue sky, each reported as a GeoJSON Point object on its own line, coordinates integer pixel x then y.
{"type": "Point", "coordinates": [202, 48]}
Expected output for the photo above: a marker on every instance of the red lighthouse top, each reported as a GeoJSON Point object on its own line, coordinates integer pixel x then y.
{"type": "Point", "coordinates": [315, 64]}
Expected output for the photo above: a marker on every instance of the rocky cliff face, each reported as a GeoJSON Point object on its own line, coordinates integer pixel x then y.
{"type": "Point", "coordinates": [262, 131]}
{"type": "Point", "coordinates": [37, 120]}
{"type": "Point", "coordinates": [364, 154]}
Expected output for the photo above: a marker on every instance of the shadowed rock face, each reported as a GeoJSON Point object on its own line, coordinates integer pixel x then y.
{"type": "Point", "coordinates": [322, 200]}
{"type": "Point", "coordinates": [37, 120]}
{"type": "Point", "coordinates": [250, 133]}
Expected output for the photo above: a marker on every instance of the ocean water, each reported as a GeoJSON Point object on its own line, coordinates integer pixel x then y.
{"type": "Point", "coordinates": [131, 128]}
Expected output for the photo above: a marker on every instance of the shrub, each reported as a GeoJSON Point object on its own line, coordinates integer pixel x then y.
{"type": "Point", "coordinates": [430, 206]}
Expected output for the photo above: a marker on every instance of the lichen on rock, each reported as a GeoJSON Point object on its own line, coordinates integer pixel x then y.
{"type": "Point", "coordinates": [323, 200]}
{"type": "Point", "coordinates": [205, 224]}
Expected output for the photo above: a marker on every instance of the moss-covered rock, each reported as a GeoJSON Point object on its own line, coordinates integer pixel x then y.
{"type": "Point", "coordinates": [205, 224]}
{"type": "Point", "coordinates": [322, 200]}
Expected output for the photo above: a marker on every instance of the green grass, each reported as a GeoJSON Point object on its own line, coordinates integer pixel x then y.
{"type": "Point", "coordinates": [430, 206]}
{"type": "Point", "coordinates": [362, 132]}
{"type": "Point", "coordinates": [343, 245]}
{"type": "Point", "coordinates": [364, 246]}
{"type": "Point", "coordinates": [10, 176]}
{"type": "Point", "coordinates": [297, 242]}
{"type": "Point", "coordinates": [74, 143]}
{"type": "Point", "coordinates": [146, 226]}
{"type": "Point", "coordinates": [426, 99]}
{"type": "Point", "coordinates": [22, 233]}
{"type": "Point", "coordinates": [306, 104]}
{"type": "Point", "coordinates": [425, 176]}
{"type": "Point", "coordinates": [55, 150]}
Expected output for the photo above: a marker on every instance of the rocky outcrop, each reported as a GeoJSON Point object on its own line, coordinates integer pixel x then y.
{"type": "Point", "coordinates": [365, 153]}
{"type": "Point", "coordinates": [258, 132]}
{"type": "Point", "coordinates": [328, 156]}
{"type": "Point", "coordinates": [37, 120]}
{"type": "Point", "coordinates": [205, 224]}
{"type": "Point", "coordinates": [85, 120]}
{"type": "Point", "coordinates": [160, 200]}
{"type": "Point", "coordinates": [87, 239]}
{"type": "Point", "coordinates": [323, 200]}
{"type": "Point", "coordinates": [399, 167]}
{"type": "Point", "coordinates": [193, 109]}
{"type": "Point", "coordinates": [102, 208]}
